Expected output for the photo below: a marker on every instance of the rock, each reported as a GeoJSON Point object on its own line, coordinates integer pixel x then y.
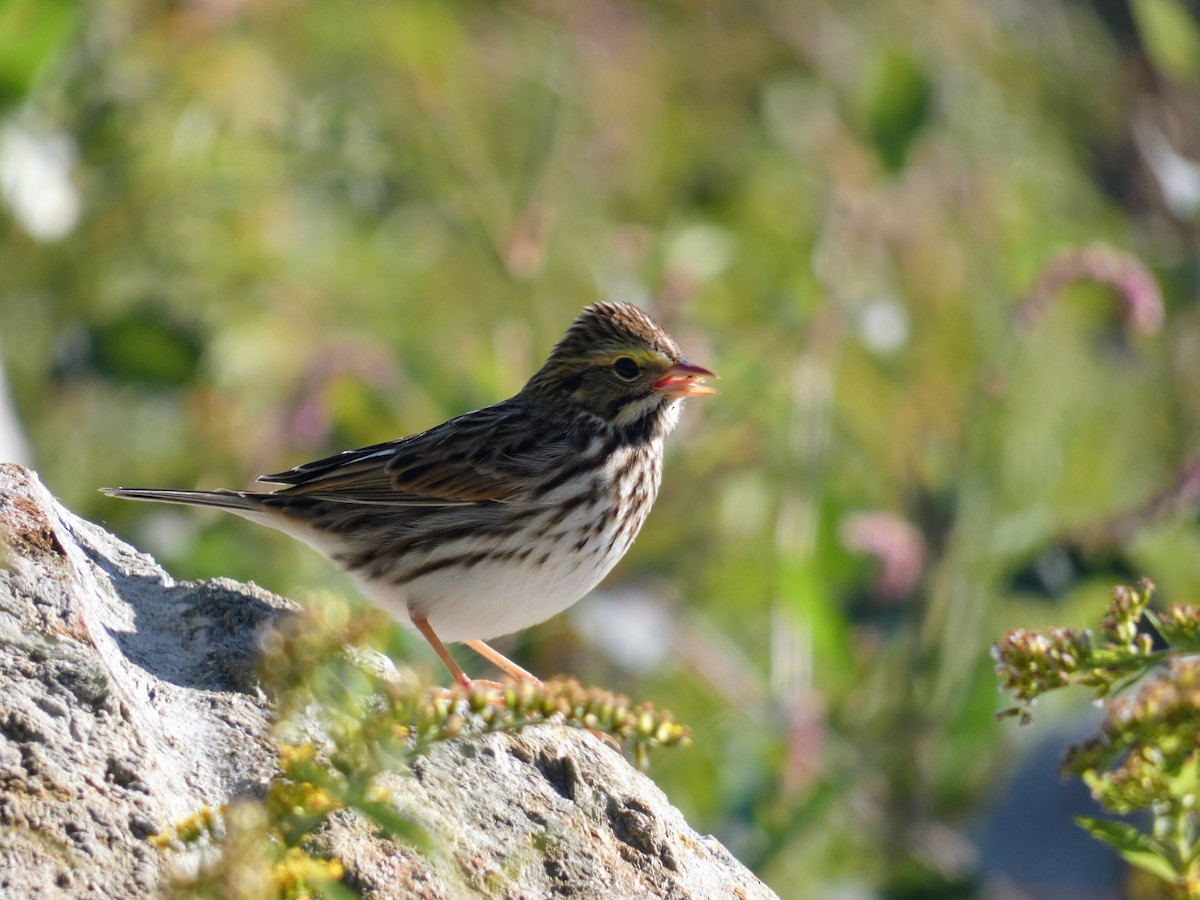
{"type": "Point", "coordinates": [128, 701]}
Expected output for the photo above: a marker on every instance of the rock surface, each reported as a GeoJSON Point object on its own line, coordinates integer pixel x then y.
{"type": "Point", "coordinates": [128, 701]}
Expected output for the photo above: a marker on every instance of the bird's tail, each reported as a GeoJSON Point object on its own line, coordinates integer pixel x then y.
{"type": "Point", "coordinates": [236, 501]}
{"type": "Point", "coordinates": [252, 505]}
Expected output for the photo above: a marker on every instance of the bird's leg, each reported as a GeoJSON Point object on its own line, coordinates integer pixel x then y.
{"type": "Point", "coordinates": [502, 662]}
{"type": "Point", "coordinates": [423, 626]}
{"type": "Point", "coordinates": [460, 677]}
{"type": "Point", "coordinates": [498, 659]}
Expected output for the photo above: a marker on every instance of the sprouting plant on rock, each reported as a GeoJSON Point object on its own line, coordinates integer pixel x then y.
{"type": "Point", "coordinates": [1146, 757]}
{"type": "Point", "coordinates": [342, 724]}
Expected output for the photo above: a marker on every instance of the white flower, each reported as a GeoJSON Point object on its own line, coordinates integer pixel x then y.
{"type": "Point", "coordinates": [36, 182]}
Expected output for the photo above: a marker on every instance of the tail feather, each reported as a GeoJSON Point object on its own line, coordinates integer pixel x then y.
{"type": "Point", "coordinates": [250, 505]}
{"type": "Point", "coordinates": [222, 499]}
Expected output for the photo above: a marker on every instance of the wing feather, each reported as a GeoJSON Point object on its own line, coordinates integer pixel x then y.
{"type": "Point", "coordinates": [482, 457]}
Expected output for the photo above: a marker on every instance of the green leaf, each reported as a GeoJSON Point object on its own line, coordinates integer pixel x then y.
{"type": "Point", "coordinates": [897, 104]}
{"type": "Point", "coordinates": [334, 890]}
{"type": "Point", "coordinates": [1136, 848]}
{"type": "Point", "coordinates": [1186, 782]}
{"type": "Point", "coordinates": [1171, 38]}
{"type": "Point", "coordinates": [146, 347]}
{"type": "Point", "coordinates": [1177, 638]}
{"type": "Point", "coordinates": [806, 592]}
{"type": "Point", "coordinates": [395, 823]}
{"type": "Point", "coordinates": [31, 31]}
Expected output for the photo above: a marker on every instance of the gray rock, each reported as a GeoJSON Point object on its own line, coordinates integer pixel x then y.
{"type": "Point", "coordinates": [128, 701]}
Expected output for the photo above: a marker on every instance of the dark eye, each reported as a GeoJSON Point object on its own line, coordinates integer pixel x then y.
{"type": "Point", "coordinates": [626, 368]}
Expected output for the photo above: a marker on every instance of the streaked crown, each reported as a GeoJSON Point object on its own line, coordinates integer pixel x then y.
{"type": "Point", "coordinates": [617, 364]}
{"type": "Point", "coordinates": [613, 327]}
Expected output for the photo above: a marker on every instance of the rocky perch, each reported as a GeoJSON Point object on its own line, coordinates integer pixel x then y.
{"type": "Point", "coordinates": [128, 701]}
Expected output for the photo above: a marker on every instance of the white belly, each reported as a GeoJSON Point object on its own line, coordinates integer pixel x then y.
{"type": "Point", "coordinates": [493, 598]}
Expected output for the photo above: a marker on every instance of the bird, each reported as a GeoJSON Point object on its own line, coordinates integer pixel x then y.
{"type": "Point", "coordinates": [501, 518]}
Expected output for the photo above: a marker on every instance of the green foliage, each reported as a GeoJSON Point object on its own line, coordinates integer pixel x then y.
{"type": "Point", "coordinates": [343, 724]}
{"type": "Point", "coordinates": [1171, 35]}
{"type": "Point", "coordinates": [142, 347]}
{"type": "Point", "coordinates": [1031, 663]}
{"type": "Point", "coordinates": [31, 32]}
{"type": "Point", "coordinates": [897, 107]}
{"type": "Point", "coordinates": [1145, 759]}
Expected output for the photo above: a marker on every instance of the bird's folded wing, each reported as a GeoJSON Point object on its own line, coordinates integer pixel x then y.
{"type": "Point", "coordinates": [470, 463]}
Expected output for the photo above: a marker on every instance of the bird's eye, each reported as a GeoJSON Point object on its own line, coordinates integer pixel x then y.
{"type": "Point", "coordinates": [626, 368]}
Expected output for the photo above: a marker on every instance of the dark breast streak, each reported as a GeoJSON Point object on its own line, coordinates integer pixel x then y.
{"type": "Point", "coordinates": [400, 544]}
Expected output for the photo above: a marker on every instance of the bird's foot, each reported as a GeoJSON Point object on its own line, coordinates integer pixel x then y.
{"type": "Point", "coordinates": [607, 738]}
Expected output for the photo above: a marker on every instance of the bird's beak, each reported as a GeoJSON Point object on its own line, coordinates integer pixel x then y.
{"type": "Point", "coordinates": [684, 379]}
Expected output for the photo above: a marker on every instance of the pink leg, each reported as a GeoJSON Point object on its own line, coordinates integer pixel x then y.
{"type": "Point", "coordinates": [502, 662]}
{"type": "Point", "coordinates": [423, 626]}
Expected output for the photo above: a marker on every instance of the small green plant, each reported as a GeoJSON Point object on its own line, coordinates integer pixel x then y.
{"type": "Point", "coordinates": [341, 724]}
{"type": "Point", "coordinates": [1146, 757]}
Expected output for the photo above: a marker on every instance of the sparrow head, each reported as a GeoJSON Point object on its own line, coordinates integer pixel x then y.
{"type": "Point", "coordinates": [617, 364]}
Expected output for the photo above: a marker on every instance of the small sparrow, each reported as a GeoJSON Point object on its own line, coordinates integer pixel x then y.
{"type": "Point", "coordinates": [501, 518]}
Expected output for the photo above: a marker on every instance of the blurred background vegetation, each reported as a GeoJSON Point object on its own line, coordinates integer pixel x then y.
{"type": "Point", "coordinates": [237, 236]}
